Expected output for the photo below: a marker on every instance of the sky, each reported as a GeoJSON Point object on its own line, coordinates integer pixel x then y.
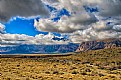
{"type": "Point", "coordinates": [25, 27]}
{"type": "Point", "coordinates": [58, 21]}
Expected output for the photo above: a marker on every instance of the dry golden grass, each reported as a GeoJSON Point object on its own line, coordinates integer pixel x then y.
{"type": "Point", "coordinates": [91, 65]}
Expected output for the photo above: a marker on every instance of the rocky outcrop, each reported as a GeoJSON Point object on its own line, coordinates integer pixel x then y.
{"type": "Point", "coordinates": [99, 44]}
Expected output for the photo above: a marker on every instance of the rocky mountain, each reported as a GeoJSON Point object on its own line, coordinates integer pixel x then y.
{"type": "Point", "coordinates": [99, 44]}
{"type": "Point", "coordinates": [31, 49]}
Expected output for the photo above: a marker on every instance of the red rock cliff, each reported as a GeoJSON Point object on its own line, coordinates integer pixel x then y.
{"type": "Point", "coordinates": [99, 44]}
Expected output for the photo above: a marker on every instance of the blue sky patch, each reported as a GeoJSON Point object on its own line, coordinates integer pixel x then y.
{"type": "Point", "coordinates": [22, 26]}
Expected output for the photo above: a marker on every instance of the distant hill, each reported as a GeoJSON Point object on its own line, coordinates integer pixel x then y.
{"type": "Point", "coordinates": [99, 44]}
{"type": "Point", "coordinates": [27, 49]}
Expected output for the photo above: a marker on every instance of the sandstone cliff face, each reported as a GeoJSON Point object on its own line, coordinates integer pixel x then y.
{"type": "Point", "coordinates": [99, 44]}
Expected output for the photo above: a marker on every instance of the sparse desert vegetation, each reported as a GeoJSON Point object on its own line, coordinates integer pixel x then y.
{"type": "Point", "coordinates": [92, 65]}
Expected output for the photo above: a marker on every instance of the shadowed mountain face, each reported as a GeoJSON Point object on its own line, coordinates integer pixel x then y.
{"type": "Point", "coordinates": [99, 44]}
{"type": "Point", "coordinates": [31, 49]}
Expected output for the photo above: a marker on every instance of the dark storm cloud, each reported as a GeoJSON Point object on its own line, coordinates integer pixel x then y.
{"type": "Point", "coordinates": [23, 8]}
{"type": "Point", "coordinates": [110, 8]}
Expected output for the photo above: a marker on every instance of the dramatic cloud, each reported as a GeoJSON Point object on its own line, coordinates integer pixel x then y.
{"type": "Point", "coordinates": [117, 28]}
{"type": "Point", "coordinates": [85, 24]}
{"type": "Point", "coordinates": [65, 24]}
{"type": "Point", "coordinates": [78, 20]}
{"type": "Point", "coordinates": [110, 8]}
{"type": "Point", "coordinates": [17, 39]}
{"type": "Point", "coordinates": [107, 7]}
{"type": "Point", "coordinates": [24, 8]}
{"type": "Point", "coordinates": [88, 20]}
{"type": "Point", "coordinates": [98, 30]}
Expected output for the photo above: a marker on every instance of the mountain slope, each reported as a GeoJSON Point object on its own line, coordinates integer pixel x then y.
{"type": "Point", "coordinates": [99, 44]}
{"type": "Point", "coordinates": [28, 49]}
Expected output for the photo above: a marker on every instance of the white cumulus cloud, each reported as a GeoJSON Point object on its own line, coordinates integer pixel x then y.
{"type": "Point", "coordinates": [83, 25]}
{"type": "Point", "coordinates": [80, 26]}
{"type": "Point", "coordinates": [17, 39]}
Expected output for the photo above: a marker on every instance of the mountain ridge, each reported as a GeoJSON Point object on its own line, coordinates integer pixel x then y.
{"type": "Point", "coordinates": [99, 44]}
{"type": "Point", "coordinates": [37, 49]}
